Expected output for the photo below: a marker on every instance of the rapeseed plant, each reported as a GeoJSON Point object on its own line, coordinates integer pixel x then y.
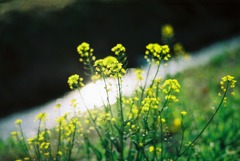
{"type": "Point", "coordinates": [135, 128]}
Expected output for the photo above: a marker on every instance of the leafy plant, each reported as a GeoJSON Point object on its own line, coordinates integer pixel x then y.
{"type": "Point", "coordinates": [141, 127]}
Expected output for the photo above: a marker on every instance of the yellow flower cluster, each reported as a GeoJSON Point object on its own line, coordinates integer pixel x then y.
{"type": "Point", "coordinates": [169, 87]}
{"type": "Point", "coordinates": [225, 83]}
{"type": "Point", "coordinates": [138, 73]}
{"type": "Point", "coordinates": [155, 53]}
{"type": "Point", "coordinates": [152, 149]}
{"type": "Point", "coordinates": [148, 103]}
{"type": "Point", "coordinates": [119, 48]}
{"type": "Point", "coordinates": [108, 67]}
{"type": "Point", "coordinates": [167, 31]}
{"type": "Point", "coordinates": [15, 133]}
{"type": "Point", "coordinates": [103, 118]}
{"type": "Point", "coordinates": [41, 117]}
{"type": "Point", "coordinates": [18, 121]}
{"type": "Point", "coordinates": [75, 81]}
{"type": "Point", "coordinates": [183, 113]}
{"type": "Point", "coordinates": [68, 126]}
{"type": "Point", "coordinates": [86, 53]}
{"type": "Point", "coordinates": [179, 50]}
{"type": "Point", "coordinates": [227, 79]}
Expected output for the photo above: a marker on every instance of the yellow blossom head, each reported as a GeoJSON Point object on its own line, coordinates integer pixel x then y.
{"type": "Point", "coordinates": [75, 81]}
{"type": "Point", "coordinates": [167, 31]}
{"type": "Point", "coordinates": [138, 73]}
{"type": "Point", "coordinates": [151, 149]}
{"type": "Point", "coordinates": [18, 121]}
{"type": "Point", "coordinates": [109, 67]}
{"type": "Point", "coordinates": [41, 116]}
{"type": "Point", "coordinates": [227, 82]}
{"type": "Point", "coordinates": [179, 50]}
{"type": "Point", "coordinates": [155, 53]}
{"type": "Point", "coordinates": [183, 113]}
{"type": "Point", "coordinates": [119, 48]}
{"type": "Point", "coordinates": [170, 87]}
{"type": "Point", "coordinates": [85, 52]}
{"type": "Point", "coordinates": [14, 133]}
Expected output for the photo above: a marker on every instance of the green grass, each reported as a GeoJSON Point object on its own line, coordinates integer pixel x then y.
{"type": "Point", "coordinates": [200, 85]}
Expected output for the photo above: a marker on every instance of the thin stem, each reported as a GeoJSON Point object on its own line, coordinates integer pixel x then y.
{"type": "Point", "coordinates": [108, 101]}
{"type": "Point", "coordinates": [143, 89]}
{"type": "Point", "coordinates": [71, 143]}
{"type": "Point", "coordinates": [182, 138]}
{"type": "Point", "coordinates": [161, 133]}
{"type": "Point", "coordinates": [38, 148]}
{"type": "Point", "coordinates": [24, 141]}
{"type": "Point", "coordinates": [59, 139]}
{"type": "Point", "coordinates": [208, 123]}
{"type": "Point", "coordinates": [122, 121]}
{"type": "Point", "coordinates": [158, 67]}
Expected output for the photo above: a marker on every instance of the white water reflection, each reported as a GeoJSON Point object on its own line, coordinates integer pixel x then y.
{"type": "Point", "coordinates": [94, 94]}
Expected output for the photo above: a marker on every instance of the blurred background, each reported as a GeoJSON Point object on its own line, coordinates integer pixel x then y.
{"type": "Point", "coordinates": [38, 38]}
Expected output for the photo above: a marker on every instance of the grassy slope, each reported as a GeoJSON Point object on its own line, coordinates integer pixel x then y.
{"type": "Point", "coordinates": [198, 96]}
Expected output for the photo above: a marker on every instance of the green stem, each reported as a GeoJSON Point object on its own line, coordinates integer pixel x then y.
{"type": "Point", "coordinates": [108, 101]}
{"type": "Point", "coordinates": [24, 142]}
{"type": "Point", "coordinates": [38, 148]}
{"type": "Point", "coordinates": [142, 93]}
{"type": "Point", "coordinates": [59, 141]}
{"type": "Point", "coordinates": [158, 67]}
{"type": "Point", "coordinates": [95, 126]}
{"type": "Point", "coordinates": [182, 138]}
{"type": "Point", "coordinates": [208, 123]}
{"type": "Point", "coordinates": [122, 121]}
{"type": "Point", "coordinates": [71, 143]}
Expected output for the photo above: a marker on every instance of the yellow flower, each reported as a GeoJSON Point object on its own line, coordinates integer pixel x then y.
{"type": "Point", "coordinates": [85, 52]}
{"type": "Point", "coordinates": [44, 145]}
{"type": "Point", "coordinates": [163, 120]}
{"type": "Point", "coordinates": [227, 79]}
{"type": "Point", "coordinates": [26, 158]}
{"type": "Point", "coordinates": [14, 133]}
{"type": "Point", "coordinates": [18, 121]}
{"type": "Point", "coordinates": [155, 53]}
{"type": "Point", "coordinates": [59, 153]}
{"type": "Point", "coordinates": [141, 144]}
{"type": "Point", "coordinates": [179, 50]}
{"type": "Point", "coordinates": [171, 86]}
{"type": "Point", "coordinates": [119, 48]}
{"type": "Point", "coordinates": [167, 31]}
{"type": "Point", "coordinates": [225, 83]}
{"type": "Point", "coordinates": [177, 122]}
{"type": "Point", "coordinates": [75, 81]}
{"type": "Point", "coordinates": [58, 105]}
{"type": "Point", "coordinates": [41, 116]}
{"type": "Point", "coordinates": [109, 67]}
{"type": "Point", "coordinates": [184, 113]}
{"type": "Point", "coordinates": [113, 120]}
{"type": "Point", "coordinates": [30, 140]}
{"type": "Point", "coordinates": [159, 150]}
{"type": "Point", "coordinates": [139, 74]}
{"type": "Point", "coordinates": [151, 149]}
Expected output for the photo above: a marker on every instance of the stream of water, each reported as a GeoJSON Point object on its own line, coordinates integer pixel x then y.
{"type": "Point", "coordinates": [94, 94]}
